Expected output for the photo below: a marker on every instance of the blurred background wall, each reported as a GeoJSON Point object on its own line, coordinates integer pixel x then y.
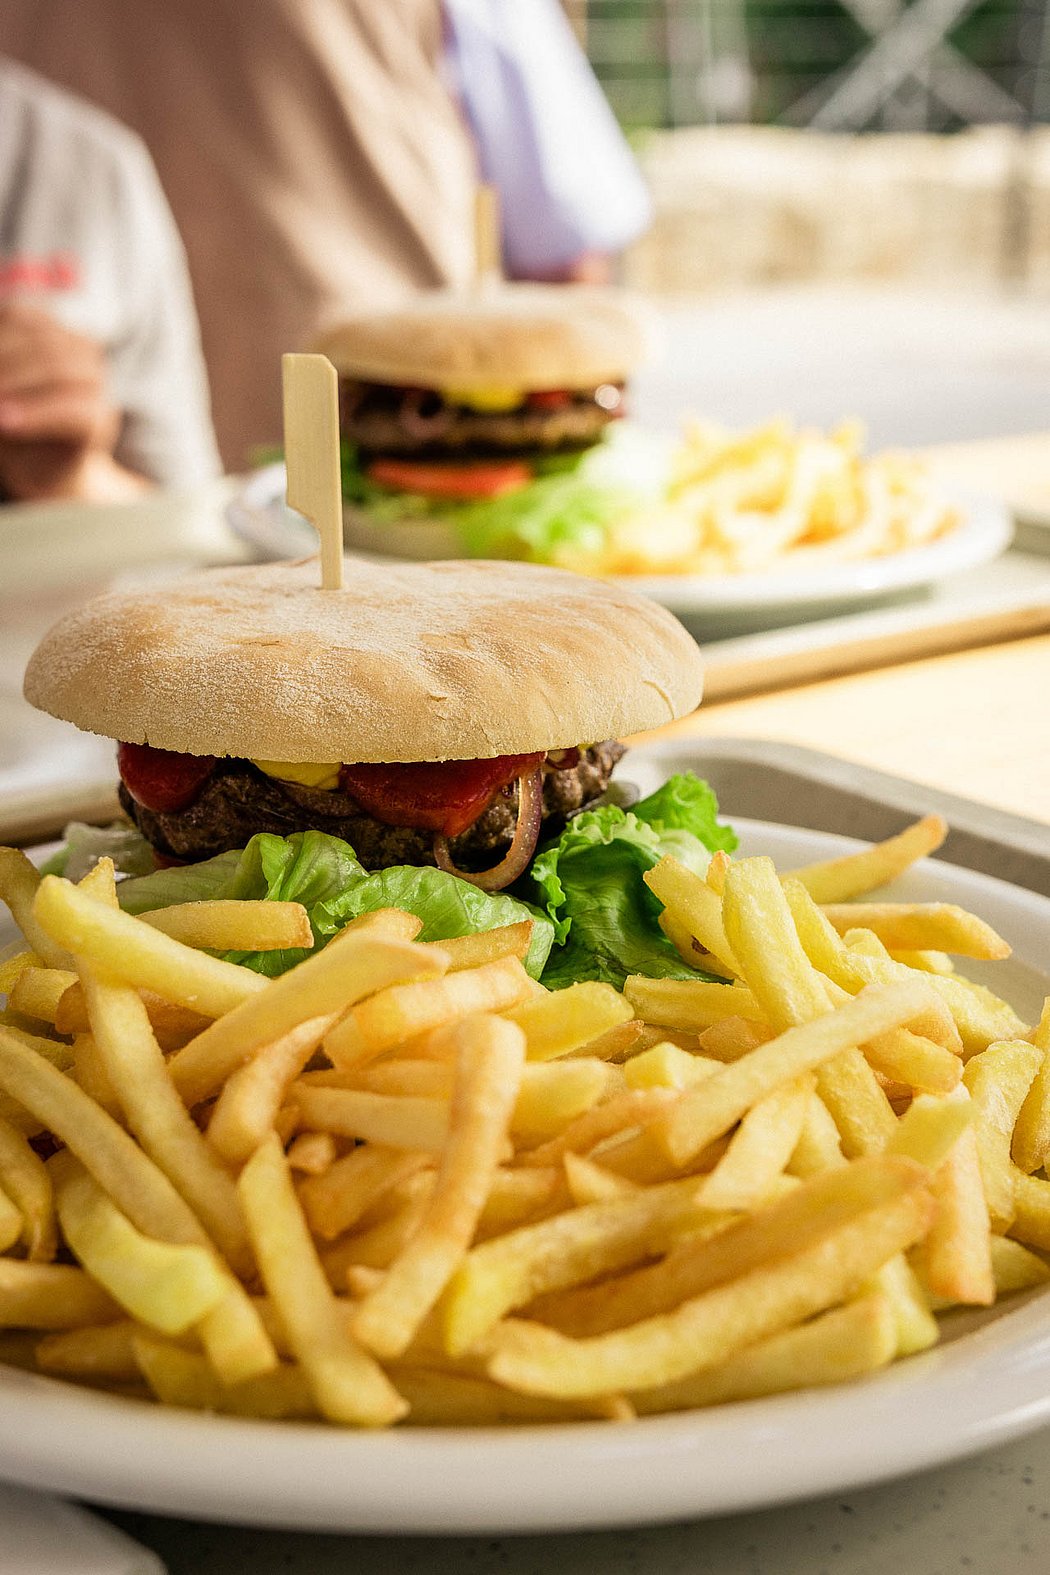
{"type": "Point", "coordinates": [896, 141]}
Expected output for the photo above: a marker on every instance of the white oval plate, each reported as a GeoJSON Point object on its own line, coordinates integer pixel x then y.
{"type": "Point", "coordinates": [987, 1382]}
{"type": "Point", "coordinates": [259, 516]}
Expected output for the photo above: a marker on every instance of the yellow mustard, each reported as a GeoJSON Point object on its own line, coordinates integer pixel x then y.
{"type": "Point", "coordinates": [304, 773]}
{"type": "Point", "coordinates": [488, 400]}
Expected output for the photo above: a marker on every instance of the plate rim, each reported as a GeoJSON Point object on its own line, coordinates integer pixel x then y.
{"type": "Point", "coordinates": [988, 1387]}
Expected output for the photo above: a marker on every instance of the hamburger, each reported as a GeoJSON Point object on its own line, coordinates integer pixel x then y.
{"type": "Point", "coordinates": [411, 740]}
{"type": "Point", "coordinates": [490, 422]}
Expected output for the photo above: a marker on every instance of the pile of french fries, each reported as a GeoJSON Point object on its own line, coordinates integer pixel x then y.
{"type": "Point", "coordinates": [403, 1181]}
{"type": "Point", "coordinates": [777, 497]}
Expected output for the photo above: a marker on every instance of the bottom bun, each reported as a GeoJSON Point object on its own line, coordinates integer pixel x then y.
{"type": "Point", "coordinates": [419, 539]}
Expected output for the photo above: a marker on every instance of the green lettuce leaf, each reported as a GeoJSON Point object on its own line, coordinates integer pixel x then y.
{"type": "Point", "coordinates": [590, 883]}
{"type": "Point", "coordinates": [324, 874]}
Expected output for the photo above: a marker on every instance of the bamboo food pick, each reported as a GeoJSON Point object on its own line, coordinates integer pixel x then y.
{"type": "Point", "coordinates": [311, 451]}
{"type": "Point", "coordinates": [488, 269]}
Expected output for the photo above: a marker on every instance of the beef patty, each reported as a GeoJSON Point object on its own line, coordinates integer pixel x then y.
{"type": "Point", "coordinates": [239, 800]}
{"type": "Point", "coordinates": [412, 422]}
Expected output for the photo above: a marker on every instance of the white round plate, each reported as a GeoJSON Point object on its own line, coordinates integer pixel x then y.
{"type": "Point", "coordinates": [987, 1382]}
{"type": "Point", "coordinates": [258, 514]}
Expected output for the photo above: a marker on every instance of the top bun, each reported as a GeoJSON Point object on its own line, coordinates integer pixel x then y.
{"type": "Point", "coordinates": [437, 661]}
{"type": "Point", "coordinates": [528, 336]}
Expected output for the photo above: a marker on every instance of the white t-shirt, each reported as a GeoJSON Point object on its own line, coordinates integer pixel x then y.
{"type": "Point", "coordinates": [86, 234]}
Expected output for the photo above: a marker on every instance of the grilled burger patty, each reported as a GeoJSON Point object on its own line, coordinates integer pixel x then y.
{"type": "Point", "coordinates": [239, 800]}
{"type": "Point", "coordinates": [382, 419]}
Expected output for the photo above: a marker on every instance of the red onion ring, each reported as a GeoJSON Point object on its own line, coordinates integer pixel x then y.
{"type": "Point", "coordinates": [523, 846]}
{"type": "Point", "coordinates": [415, 421]}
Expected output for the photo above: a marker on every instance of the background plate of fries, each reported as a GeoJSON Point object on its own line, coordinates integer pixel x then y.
{"type": "Point", "coordinates": [760, 1240]}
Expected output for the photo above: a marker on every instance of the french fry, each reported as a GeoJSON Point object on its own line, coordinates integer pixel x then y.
{"type": "Point", "coordinates": [25, 1181]}
{"type": "Point", "coordinates": [667, 1065]}
{"type": "Point", "coordinates": [89, 1072]}
{"type": "Point", "coordinates": [173, 1026]}
{"type": "Point", "coordinates": [37, 991]}
{"type": "Point", "coordinates": [622, 1113]}
{"type": "Point", "coordinates": [733, 1037]}
{"type": "Point", "coordinates": [98, 1353]}
{"type": "Point", "coordinates": [690, 1004]}
{"type": "Point", "coordinates": [473, 951]}
{"type": "Point", "coordinates": [19, 884]}
{"type": "Point", "coordinates": [771, 961]}
{"type": "Point", "coordinates": [446, 1399]}
{"type": "Point", "coordinates": [578, 1245]}
{"type": "Point", "coordinates": [344, 1381]}
{"type": "Point", "coordinates": [688, 948]}
{"type": "Point", "coordinates": [50, 1296]}
{"type": "Point", "coordinates": [12, 1225]}
{"type": "Point", "coordinates": [235, 925]}
{"type": "Point", "coordinates": [519, 1196]}
{"type": "Point", "coordinates": [392, 1120]}
{"type": "Point", "coordinates": [313, 1153]}
{"type": "Point", "coordinates": [1031, 1211]}
{"type": "Point", "coordinates": [393, 924]}
{"type": "Point", "coordinates": [700, 1115]}
{"type": "Point", "coordinates": [716, 872]}
{"type": "Point", "coordinates": [156, 1115]}
{"type": "Point", "coordinates": [930, 1127]}
{"type": "Point", "coordinates": [853, 874]}
{"type": "Point", "coordinates": [759, 1149]}
{"type": "Point", "coordinates": [1030, 1145]}
{"type": "Point", "coordinates": [12, 968]}
{"type": "Point", "coordinates": [139, 955]}
{"type": "Point", "coordinates": [552, 1094]}
{"type": "Point", "coordinates": [915, 1061]}
{"type": "Point", "coordinates": [617, 1045]}
{"type": "Point", "coordinates": [246, 1110]}
{"type": "Point", "coordinates": [562, 1021]}
{"type": "Point", "coordinates": [1014, 1268]}
{"type": "Point", "coordinates": [183, 1378]}
{"type": "Point", "coordinates": [592, 1183]}
{"type": "Point", "coordinates": [169, 1287]}
{"type": "Point", "coordinates": [926, 961]}
{"type": "Point", "coordinates": [691, 901]}
{"type": "Point", "coordinates": [999, 1080]}
{"type": "Point", "coordinates": [920, 926]}
{"type": "Point", "coordinates": [915, 1326]}
{"type": "Point", "coordinates": [488, 1078]}
{"type": "Point", "coordinates": [956, 1257]}
{"type": "Point", "coordinates": [712, 1327]}
{"type": "Point", "coordinates": [403, 1011]}
{"type": "Point", "coordinates": [335, 1201]}
{"type": "Point", "coordinates": [350, 967]}
{"type": "Point", "coordinates": [819, 1146]}
{"type": "Point", "coordinates": [402, 1075]}
{"type": "Point", "coordinates": [58, 1054]}
{"type": "Point", "coordinates": [833, 1348]}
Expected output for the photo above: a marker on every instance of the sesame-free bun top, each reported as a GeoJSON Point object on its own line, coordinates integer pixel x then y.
{"type": "Point", "coordinates": [528, 336]}
{"type": "Point", "coordinates": [436, 661]}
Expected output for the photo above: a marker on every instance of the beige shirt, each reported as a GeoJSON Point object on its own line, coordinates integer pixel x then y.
{"type": "Point", "coordinates": [311, 152]}
{"type": "Point", "coordinates": [86, 236]}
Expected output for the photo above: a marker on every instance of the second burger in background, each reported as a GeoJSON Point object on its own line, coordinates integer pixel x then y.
{"type": "Point", "coordinates": [489, 424]}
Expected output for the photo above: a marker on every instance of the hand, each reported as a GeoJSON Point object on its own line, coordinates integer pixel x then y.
{"type": "Point", "coordinates": [58, 427]}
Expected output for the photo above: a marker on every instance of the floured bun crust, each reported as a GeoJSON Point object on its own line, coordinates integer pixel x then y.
{"type": "Point", "coordinates": [435, 661]}
{"type": "Point", "coordinates": [527, 336]}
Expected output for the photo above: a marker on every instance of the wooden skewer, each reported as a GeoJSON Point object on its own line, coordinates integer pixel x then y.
{"type": "Point", "coordinates": [488, 269]}
{"type": "Point", "coordinates": [311, 453]}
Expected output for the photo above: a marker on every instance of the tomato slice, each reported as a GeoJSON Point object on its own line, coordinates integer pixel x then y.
{"type": "Point", "coordinates": [550, 398]}
{"type": "Point", "coordinates": [162, 779]}
{"type": "Point", "coordinates": [443, 795]}
{"type": "Point", "coordinates": [451, 481]}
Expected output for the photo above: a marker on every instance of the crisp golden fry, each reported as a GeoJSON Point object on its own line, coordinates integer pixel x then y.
{"type": "Point", "coordinates": [139, 955]}
{"type": "Point", "coordinates": [930, 1128]}
{"type": "Point", "coordinates": [345, 1383]}
{"type": "Point", "coordinates": [622, 1113]}
{"type": "Point", "coordinates": [771, 961]}
{"type": "Point", "coordinates": [392, 1120]}
{"type": "Point", "coordinates": [12, 1225]}
{"type": "Point", "coordinates": [137, 1071]}
{"type": "Point", "coordinates": [50, 1296]}
{"type": "Point", "coordinates": [12, 968]}
{"type": "Point", "coordinates": [691, 901]}
{"type": "Point", "coordinates": [25, 1180]}
{"type": "Point", "coordinates": [690, 1004]}
{"type": "Point", "coordinates": [19, 883]}
{"type": "Point", "coordinates": [235, 925]}
{"type": "Point", "coordinates": [403, 1011]}
{"type": "Point", "coordinates": [732, 1038]}
{"type": "Point", "coordinates": [956, 1257]}
{"type": "Point", "coordinates": [169, 1287]}
{"type": "Point", "coordinates": [999, 1080]}
{"type": "Point", "coordinates": [173, 1026]}
{"type": "Point", "coordinates": [819, 1146]}
{"type": "Point", "coordinates": [919, 926]}
{"type": "Point", "coordinates": [592, 1183]}
{"type": "Point", "coordinates": [182, 1378]}
{"type": "Point", "coordinates": [759, 1149]}
{"type": "Point", "coordinates": [572, 1247]}
{"type": "Point", "coordinates": [618, 1045]}
{"type": "Point", "coordinates": [926, 961]}
{"type": "Point", "coordinates": [37, 991]}
{"type": "Point", "coordinates": [915, 1061]}
{"type": "Point", "coordinates": [555, 1093]}
{"type": "Point", "coordinates": [562, 1021]}
{"type": "Point", "coordinates": [914, 1324]}
{"type": "Point", "coordinates": [393, 924]}
{"type": "Point", "coordinates": [1030, 1145]}
{"type": "Point", "coordinates": [474, 951]}
{"type": "Point", "coordinates": [98, 1353]}
{"type": "Point", "coordinates": [1015, 1268]}
{"type": "Point", "coordinates": [59, 1055]}
{"type": "Point", "coordinates": [837, 880]}
{"type": "Point", "coordinates": [833, 1348]}
{"type": "Point", "coordinates": [446, 1399]}
{"type": "Point", "coordinates": [350, 967]}
{"type": "Point", "coordinates": [313, 1153]}
{"type": "Point", "coordinates": [246, 1110]}
{"type": "Point", "coordinates": [667, 1065]}
{"type": "Point", "coordinates": [90, 1073]}
{"type": "Point", "coordinates": [700, 1115]}
{"type": "Point", "coordinates": [488, 1076]}
{"type": "Point", "coordinates": [712, 1327]}
{"type": "Point", "coordinates": [335, 1201]}
{"type": "Point", "coordinates": [688, 948]}
{"type": "Point", "coordinates": [1031, 1210]}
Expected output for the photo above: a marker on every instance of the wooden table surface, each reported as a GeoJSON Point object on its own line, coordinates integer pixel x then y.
{"type": "Point", "coordinates": [975, 722]}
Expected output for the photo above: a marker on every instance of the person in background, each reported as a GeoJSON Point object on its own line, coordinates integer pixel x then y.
{"type": "Point", "coordinates": [102, 384]}
{"type": "Point", "coordinates": [318, 156]}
